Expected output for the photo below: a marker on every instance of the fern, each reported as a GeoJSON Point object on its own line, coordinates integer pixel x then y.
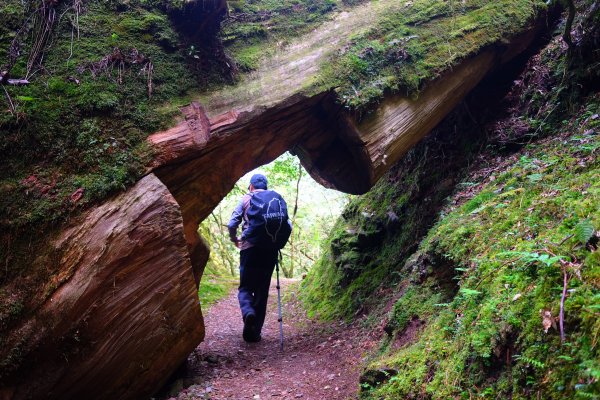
{"type": "Point", "coordinates": [584, 231]}
{"type": "Point", "coordinates": [469, 292]}
{"type": "Point", "coordinates": [531, 361]}
{"type": "Point", "coordinates": [529, 257]}
{"type": "Point", "coordinates": [582, 392]}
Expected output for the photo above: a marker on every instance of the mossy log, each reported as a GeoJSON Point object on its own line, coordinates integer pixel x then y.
{"type": "Point", "coordinates": [202, 157]}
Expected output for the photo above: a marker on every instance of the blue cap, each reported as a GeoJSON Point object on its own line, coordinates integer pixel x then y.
{"type": "Point", "coordinates": [259, 181]}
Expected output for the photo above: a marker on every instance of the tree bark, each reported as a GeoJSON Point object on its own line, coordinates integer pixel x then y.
{"type": "Point", "coordinates": [569, 23]}
{"type": "Point", "coordinates": [123, 309]}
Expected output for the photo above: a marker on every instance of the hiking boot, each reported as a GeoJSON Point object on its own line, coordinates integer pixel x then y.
{"type": "Point", "coordinates": [254, 339]}
{"type": "Point", "coordinates": [249, 334]}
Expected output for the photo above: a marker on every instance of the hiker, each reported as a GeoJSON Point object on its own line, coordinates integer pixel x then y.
{"type": "Point", "coordinates": [265, 231]}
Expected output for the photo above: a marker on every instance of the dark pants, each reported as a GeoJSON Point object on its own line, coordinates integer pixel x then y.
{"type": "Point", "coordinates": [256, 268]}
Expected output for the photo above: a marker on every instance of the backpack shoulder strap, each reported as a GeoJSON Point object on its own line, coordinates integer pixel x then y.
{"type": "Point", "coordinates": [246, 203]}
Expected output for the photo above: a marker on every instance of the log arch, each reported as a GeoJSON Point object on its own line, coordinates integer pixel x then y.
{"type": "Point", "coordinates": [200, 159]}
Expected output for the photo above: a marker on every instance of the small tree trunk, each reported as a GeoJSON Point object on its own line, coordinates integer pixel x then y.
{"type": "Point", "coordinates": [569, 24]}
{"type": "Point", "coordinates": [293, 253]}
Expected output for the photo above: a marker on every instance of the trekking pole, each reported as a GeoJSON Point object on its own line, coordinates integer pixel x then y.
{"type": "Point", "coordinates": [279, 304]}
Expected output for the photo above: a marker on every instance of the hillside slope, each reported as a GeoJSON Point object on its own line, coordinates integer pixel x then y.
{"type": "Point", "coordinates": [477, 255]}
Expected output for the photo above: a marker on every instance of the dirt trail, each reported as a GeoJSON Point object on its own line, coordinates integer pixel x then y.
{"type": "Point", "coordinates": [320, 360]}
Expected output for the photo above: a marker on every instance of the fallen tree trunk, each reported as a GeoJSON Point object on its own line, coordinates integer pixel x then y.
{"type": "Point", "coordinates": [201, 158]}
{"type": "Point", "coordinates": [123, 313]}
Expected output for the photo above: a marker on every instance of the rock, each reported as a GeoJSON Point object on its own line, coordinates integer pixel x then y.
{"type": "Point", "coordinates": [124, 312]}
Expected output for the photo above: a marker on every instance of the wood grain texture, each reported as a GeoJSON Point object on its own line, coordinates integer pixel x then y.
{"type": "Point", "coordinates": [125, 311]}
{"type": "Point", "coordinates": [183, 140]}
{"type": "Point", "coordinates": [401, 122]}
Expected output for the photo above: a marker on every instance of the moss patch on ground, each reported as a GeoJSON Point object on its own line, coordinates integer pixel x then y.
{"type": "Point", "coordinates": [511, 247]}
{"type": "Point", "coordinates": [214, 286]}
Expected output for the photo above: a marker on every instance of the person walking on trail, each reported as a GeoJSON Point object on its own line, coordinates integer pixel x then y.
{"type": "Point", "coordinates": [265, 230]}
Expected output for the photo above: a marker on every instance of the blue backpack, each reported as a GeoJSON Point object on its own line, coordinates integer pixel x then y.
{"type": "Point", "coordinates": [268, 222]}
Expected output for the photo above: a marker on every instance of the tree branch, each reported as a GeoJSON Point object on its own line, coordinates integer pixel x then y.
{"type": "Point", "coordinates": [561, 320]}
{"type": "Point", "coordinates": [297, 191]}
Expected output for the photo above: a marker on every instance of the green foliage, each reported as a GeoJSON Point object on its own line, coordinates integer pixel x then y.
{"type": "Point", "coordinates": [584, 231]}
{"type": "Point", "coordinates": [214, 287]}
{"type": "Point", "coordinates": [507, 248]}
{"type": "Point", "coordinates": [369, 248]}
{"type": "Point", "coordinates": [532, 257]}
{"type": "Point", "coordinates": [81, 123]}
{"type": "Point", "coordinates": [108, 76]}
{"type": "Point", "coordinates": [415, 304]}
{"type": "Point", "coordinates": [317, 209]}
{"type": "Point", "coordinates": [508, 296]}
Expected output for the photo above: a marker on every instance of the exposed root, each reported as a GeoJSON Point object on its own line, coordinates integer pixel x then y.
{"type": "Point", "coordinates": [11, 106]}
{"type": "Point", "coordinates": [569, 24]}
{"type": "Point", "coordinates": [148, 71]}
{"type": "Point", "coordinates": [121, 60]}
{"type": "Point", "coordinates": [43, 21]}
{"type": "Point", "coordinates": [118, 59]}
{"type": "Point", "coordinates": [77, 9]}
{"type": "Point", "coordinates": [561, 320]}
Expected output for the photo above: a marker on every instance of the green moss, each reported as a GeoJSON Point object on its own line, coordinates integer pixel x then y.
{"type": "Point", "coordinates": [13, 13]}
{"type": "Point", "coordinates": [490, 341]}
{"type": "Point", "coordinates": [248, 57]}
{"type": "Point", "coordinates": [369, 247]}
{"type": "Point", "coordinates": [504, 252]}
{"type": "Point", "coordinates": [414, 304]}
{"type": "Point", "coordinates": [415, 44]}
{"type": "Point", "coordinates": [80, 124]}
{"type": "Point", "coordinates": [257, 27]}
{"type": "Point", "coordinates": [76, 134]}
{"type": "Point", "coordinates": [214, 286]}
{"type": "Point", "coordinates": [212, 289]}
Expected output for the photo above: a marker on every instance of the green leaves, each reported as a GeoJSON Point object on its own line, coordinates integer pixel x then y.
{"type": "Point", "coordinates": [531, 257]}
{"type": "Point", "coordinates": [535, 177]}
{"type": "Point", "coordinates": [469, 292]}
{"type": "Point", "coordinates": [584, 231]}
{"type": "Point", "coordinates": [531, 361]}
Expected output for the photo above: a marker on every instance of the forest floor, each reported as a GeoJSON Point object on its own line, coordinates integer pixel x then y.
{"type": "Point", "coordinates": [321, 360]}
